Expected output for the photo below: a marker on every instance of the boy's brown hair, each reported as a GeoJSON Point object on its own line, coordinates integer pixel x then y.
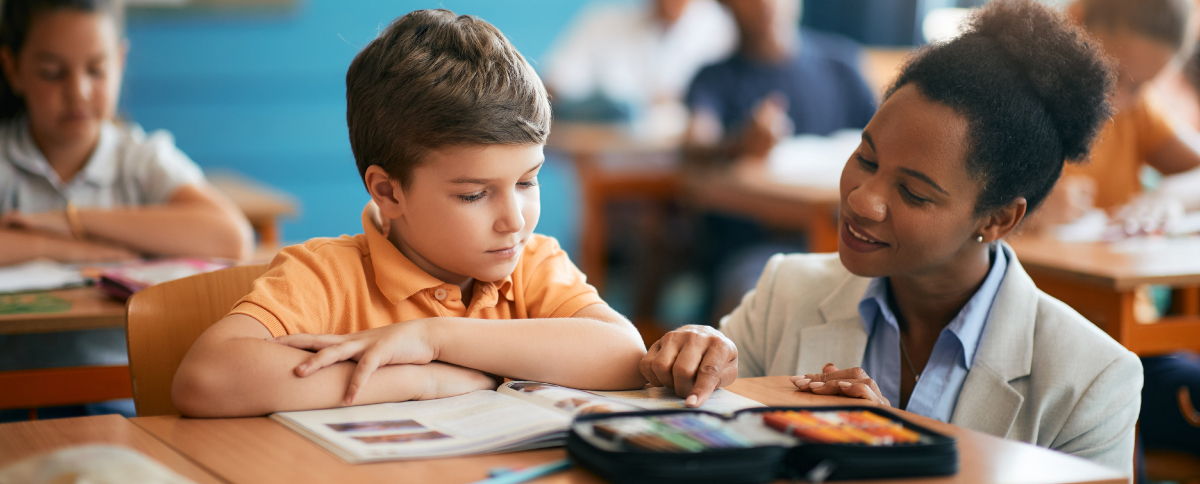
{"type": "Point", "coordinates": [433, 79]}
{"type": "Point", "coordinates": [1166, 21]}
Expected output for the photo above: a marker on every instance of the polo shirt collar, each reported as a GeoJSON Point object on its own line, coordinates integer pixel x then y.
{"type": "Point", "coordinates": [99, 170]}
{"type": "Point", "coordinates": [397, 277]}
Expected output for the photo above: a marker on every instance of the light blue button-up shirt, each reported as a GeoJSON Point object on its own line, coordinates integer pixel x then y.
{"type": "Point", "coordinates": [936, 392]}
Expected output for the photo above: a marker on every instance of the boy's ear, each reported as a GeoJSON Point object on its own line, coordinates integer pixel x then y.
{"type": "Point", "coordinates": [9, 62]}
{"type": "Point", "coordinates": [385, 191]}
{"type": "Point", "coordinates": [1004, 220]}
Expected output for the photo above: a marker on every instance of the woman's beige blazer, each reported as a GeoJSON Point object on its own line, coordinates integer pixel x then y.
{"type": "Point", "coordinates": [1042, 374]}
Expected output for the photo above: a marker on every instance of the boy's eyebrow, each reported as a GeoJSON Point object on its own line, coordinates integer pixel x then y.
{"type": "Point", "coordinates": [923, 177]}
{"type": "Point", "coordinates": [485, 181]}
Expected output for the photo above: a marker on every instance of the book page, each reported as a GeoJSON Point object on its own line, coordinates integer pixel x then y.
{"type": "Point", "coordinates": [474, 423]}
{"type": "Point", "coordinates": [582, 402]}
{"type": "Point", "coordinates": [722, 401]}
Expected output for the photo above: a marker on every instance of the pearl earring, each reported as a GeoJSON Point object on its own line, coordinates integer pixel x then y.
{"type": "Point", "coordinates": [979, 239]}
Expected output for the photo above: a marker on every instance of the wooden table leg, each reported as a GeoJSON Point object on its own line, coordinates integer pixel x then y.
{"type": "Point", "coordinates": [52, 387]}
{"type": "Point", "coordinates": [823, 229]}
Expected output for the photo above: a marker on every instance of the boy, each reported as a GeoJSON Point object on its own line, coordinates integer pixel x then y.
{"type": "Point", "coordinates": [448, 287]}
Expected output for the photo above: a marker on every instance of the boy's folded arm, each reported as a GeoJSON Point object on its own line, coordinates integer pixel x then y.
{"type": "Point", "coordinates": [596, 348]}
{"type": "Point", "coordinates": [235, 369]}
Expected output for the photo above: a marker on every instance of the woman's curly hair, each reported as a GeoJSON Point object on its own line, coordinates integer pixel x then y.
{"type": "Point", "coordinates": [1033, 89]}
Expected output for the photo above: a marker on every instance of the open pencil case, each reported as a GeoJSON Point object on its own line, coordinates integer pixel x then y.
{"type": "Point", "coordinates": [758, 445]}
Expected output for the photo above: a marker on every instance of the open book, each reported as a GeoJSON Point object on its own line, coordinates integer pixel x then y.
{"type": "Point", "coordinates": [520, 415]}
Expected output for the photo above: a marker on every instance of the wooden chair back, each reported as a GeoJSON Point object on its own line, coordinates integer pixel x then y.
{"type": "Point", "coordinates": [163, 322]}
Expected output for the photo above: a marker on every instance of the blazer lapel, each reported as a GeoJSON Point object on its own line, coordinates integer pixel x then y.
{"type": "Point", "coordinates": [840, 338]}
{"type": "Point", "coordinates": [988, 402]}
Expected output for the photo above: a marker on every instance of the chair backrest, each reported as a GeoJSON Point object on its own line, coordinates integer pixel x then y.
{"type": "Point", "coordinates": [164, 320]}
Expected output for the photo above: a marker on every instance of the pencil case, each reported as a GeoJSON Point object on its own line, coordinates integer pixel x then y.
{"type": "Point", "coordinates": [758, 445]}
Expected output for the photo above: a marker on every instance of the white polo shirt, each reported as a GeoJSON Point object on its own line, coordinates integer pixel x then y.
{"type": "Point", "coordinates": [128, 168]}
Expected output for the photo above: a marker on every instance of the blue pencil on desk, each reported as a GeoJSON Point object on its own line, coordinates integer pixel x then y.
{"type": "Point", "coordinates": [528, 473]}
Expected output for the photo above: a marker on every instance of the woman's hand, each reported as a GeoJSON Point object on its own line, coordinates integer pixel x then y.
{"type": "Point", "coordinates": [408, 342]}
{"type": "Point", "coordinates": [853, 382]}
{"type": "Point", "coordinates": [692, 360]}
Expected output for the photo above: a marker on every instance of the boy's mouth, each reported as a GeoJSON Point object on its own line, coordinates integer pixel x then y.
{"type": "Point", "coordinates": [507, 251]}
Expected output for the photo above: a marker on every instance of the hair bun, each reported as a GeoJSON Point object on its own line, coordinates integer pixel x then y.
{"type": "Point", "coordinates": [1065, 69]}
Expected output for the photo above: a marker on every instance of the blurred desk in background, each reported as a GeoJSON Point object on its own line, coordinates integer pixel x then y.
{"type": "Point", "coordinates": [748, 189]}
{"type": "Point", "coordinates": [614, 163]}
{"type": "Point", "coordinates": [262, 204]}
{"type": "Point", "coordinates": [1101, 281]}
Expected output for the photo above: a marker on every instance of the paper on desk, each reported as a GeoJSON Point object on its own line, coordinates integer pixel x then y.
{"type": "Point", "coordinates": [811, 160]}
{"type": "Point", "coordinates": [39, 275]}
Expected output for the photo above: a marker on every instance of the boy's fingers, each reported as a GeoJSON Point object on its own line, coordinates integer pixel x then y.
{"type": "Point", "coordinates": [312, 342]}
{"type": "Point", "coordinates": [362, 372]}
{"type": "Point", "coordinates": [329, 356]}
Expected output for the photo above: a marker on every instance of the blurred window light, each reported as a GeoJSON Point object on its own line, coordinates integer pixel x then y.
{"type": "Point", "coordinates": [943, 24]}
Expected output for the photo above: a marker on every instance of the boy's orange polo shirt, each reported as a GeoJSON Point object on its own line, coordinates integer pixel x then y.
{"type": "Point", "coordinates": [1124, 145]}
{"type": "Point", "coordinates": [351, 284]}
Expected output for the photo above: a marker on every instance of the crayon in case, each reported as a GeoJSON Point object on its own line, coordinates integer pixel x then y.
{"type": "Point", "coordinates": [758, 445]}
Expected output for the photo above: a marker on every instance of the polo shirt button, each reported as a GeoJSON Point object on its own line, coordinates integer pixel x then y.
{"type": "Point", "coordinates": [440, 294]}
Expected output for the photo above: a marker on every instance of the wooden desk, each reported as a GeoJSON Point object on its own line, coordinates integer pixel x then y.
{"type": "Point", "coordinates": [91, 308]}
{"type": "Point", "coordinates": [748, 190]}
{"type": "Point", "coordinates": [262, 204]}
{"type": "Point", "coordinates": [1100, 281]}
{"type": "Point", "coordinates": [20, 440]}
{"type": "Point", "coordinates": [254, 450]}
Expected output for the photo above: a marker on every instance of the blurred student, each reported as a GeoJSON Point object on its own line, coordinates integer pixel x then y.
{"type": "Point", "coordinates": [925, 307]}
{"type": "Point", "coordinates": [782, 81]}
{"type": "Point", "coordinates": [79, 185]}
{"type": "Point", "coordinates": [448, 286]}
{"type": "Point", "coordinates": [76, 184]}
{"type": "Point", "coordinates": [640, 55]}
{"type": "Point", "coordinates": [1143, 37]}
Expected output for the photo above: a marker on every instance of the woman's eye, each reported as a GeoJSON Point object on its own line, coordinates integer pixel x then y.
{"type": "Point", "coordinates": [911, 197]}
{"type": "Point", "coordinates": [528, 183]}
{"type": "Point", "coordinates": [867, 165]}
{"type": "Point", "coordinates": [474, 197]}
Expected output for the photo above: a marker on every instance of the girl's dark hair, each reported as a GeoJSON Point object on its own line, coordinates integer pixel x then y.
{"type": "Point", "coordinates": [1033, 89]}
{"type": "Point", "coordinates": [16, 17]}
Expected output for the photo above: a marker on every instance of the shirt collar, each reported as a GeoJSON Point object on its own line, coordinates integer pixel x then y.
{"type": "Point", "coordinates": [969, 323]}
{"type": "Point", "coordinates": [967, 326]}
{"type": "Point", "coordinates": [99, 170]}
{"type": "Point", "coordinates": [398, 277]}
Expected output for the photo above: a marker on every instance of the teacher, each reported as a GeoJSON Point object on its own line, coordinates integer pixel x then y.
{"type": "Point", "coordinates": [924, 307]}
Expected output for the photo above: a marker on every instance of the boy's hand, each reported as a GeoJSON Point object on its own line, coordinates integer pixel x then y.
{"type": "Point", "coordinates": [692, 360]}
{"type": "Point", "coordinates": [47, 222]}
{"type": "Point", "coordinates": [853, 382]}
{"type": "Point", "coordinates": [407, 342]}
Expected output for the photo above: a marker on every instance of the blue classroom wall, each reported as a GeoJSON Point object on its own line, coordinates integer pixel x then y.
{"type": "Point", "coordinates": [263, 93]}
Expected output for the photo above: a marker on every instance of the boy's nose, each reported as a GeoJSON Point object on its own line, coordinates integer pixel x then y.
{"type": "Point", "coordinates": [511, 220]}
{"type": "Point", "coordinates": [79, 88]}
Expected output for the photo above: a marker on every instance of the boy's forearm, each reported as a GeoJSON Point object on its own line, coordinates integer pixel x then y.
{"type": "Point", "coordinates": [575, 352]}
{"type": "Point", "coordinates": [249, 376]}
{"type": "Point", "coordinates": [18, 246]}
